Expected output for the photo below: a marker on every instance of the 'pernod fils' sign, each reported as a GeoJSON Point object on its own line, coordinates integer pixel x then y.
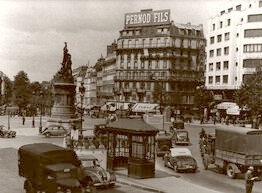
{"type": "Point", "coordinates": [147, 17]}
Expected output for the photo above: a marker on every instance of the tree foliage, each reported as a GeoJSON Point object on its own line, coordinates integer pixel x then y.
{"type": "Point", "coordinates": [249, 96]}
{"type": "Point", "coordinates": [202, 98]}
{"type": "Point", "coordinates": [22, 90]}
{"type": "Point", "coordinates": [7, 97]}
{"type": "Point", "coordinates": [157, 92]}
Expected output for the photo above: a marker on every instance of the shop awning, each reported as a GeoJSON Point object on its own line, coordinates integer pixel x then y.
{"type": "Point", "coordinates": [235, 110]}
{"type": "Point", "coordinates": [144, 107]}
{"type": "Point", "coordinates": [226, 105]}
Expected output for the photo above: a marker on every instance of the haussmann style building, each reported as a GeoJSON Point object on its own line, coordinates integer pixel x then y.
{"type": "Point", "coordinates": [154, 53]}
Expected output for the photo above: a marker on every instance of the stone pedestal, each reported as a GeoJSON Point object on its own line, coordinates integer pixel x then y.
{"type": "Point", "coordinates": [63, 111]}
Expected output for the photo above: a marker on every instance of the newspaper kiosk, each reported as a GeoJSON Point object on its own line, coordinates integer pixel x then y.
{"type": "Point", "coordinates": [131, 145]}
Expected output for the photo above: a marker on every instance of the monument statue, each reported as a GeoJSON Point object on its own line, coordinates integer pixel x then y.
{"type": "Point", "coordinates": [65, 72]}
{"type": "Point", "coordinates": [63, 109]}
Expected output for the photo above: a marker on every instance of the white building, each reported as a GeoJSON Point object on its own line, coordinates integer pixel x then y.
{"type": "Point", "coordinates": [234, 46]}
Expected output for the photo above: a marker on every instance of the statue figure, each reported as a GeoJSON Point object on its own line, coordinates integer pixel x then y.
{"type": "Point", "coordinates": [65, 73]}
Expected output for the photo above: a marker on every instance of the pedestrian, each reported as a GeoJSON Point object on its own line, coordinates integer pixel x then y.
{"type": "Point", "coordinates": [250, 178]}
{"type": "Point", "coordinates": [23, 120]}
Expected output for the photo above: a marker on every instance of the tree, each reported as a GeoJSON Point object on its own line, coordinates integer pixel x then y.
{"type": "Point", "coordinates": [202, 99]}
{"type": "Point", "coordinates": [22, 91]}
{"type": "Point", "coordinates": [249, 96]}
{"type": "Point", "coordinates": [7, 97]}
{"type": "Point", "coordinates": [159, 95]}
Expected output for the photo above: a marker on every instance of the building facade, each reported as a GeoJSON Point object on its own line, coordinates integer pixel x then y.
{"type": "Point", "coordinates": [106, 70]}
{"type": "Point", "coordinates": [90, 84]}
{"type": "Point", "coordinates": [155, 54]}
{"type": "Point", "coordinates": [234, 46]}
{"type": "Point", "coordinates": [79, 76]}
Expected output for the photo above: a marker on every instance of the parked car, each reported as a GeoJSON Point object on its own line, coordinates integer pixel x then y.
{"type": "Point", "coordinates": [93, 174]}
{"type": "Point", "coordinates": [181, 137]}
{"type": "Point", "coordinates": [163, 143]}
{"type": "Point", "coordinates": [6, 133]}
{"type": "Point", "coordinates": [54, 130]}
{"type": "Point", "coordinates": [180, 159]}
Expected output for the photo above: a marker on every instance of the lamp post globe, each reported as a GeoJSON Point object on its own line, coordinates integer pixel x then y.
{"type": "Point", "coordinates": [41, 110]}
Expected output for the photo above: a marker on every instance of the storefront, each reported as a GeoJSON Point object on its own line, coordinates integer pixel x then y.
{"type": "Point", "coordinates": [131, 146]}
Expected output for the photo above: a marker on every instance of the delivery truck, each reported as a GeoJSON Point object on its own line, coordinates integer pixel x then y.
{"type": "Point", "coordinates": [233, 150]}
{"type": "Point", "coordinates": [49, 168]}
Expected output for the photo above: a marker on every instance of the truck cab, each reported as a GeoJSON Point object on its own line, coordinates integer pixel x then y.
{"type": "Point", "coordinates": [49, 168]}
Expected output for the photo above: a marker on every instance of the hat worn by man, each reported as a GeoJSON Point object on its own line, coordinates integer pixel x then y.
{"type": "Point", "coordinates": [251, 168]}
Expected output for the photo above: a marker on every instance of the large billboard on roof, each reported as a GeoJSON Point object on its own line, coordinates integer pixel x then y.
{"type": "Point", "coordinates": [147, 17]}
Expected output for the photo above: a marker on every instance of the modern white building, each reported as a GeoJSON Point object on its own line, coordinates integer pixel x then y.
{"type": "Point", "coordinates": [234, 46]}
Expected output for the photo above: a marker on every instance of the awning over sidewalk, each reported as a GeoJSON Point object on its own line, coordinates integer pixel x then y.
{"type": "Point", "coordinates": [144, 107]}
{"type": "Point", "coordinates": [235, 110]}
{"type": "Point", "coordinates": [226, 105]}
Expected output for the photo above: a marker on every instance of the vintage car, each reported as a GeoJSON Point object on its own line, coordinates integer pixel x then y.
{"type": "Point", "coordinates": [54, 130]}
{"type": "Point", "coordinates": [6, 133]}
{"type": "Point", "coordinates": [181, 137]}
{"type": "Point", "coordinates": [163, 143]}
{"type": "Point", "coordinates": [93, 174]}
{"type": "Point", "coordinates": [180, 159]}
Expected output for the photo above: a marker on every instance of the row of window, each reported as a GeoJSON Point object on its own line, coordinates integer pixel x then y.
{"type": "Point", "coordinates": [217, 79]}
{"type": "Point", "coordinates": [140, 32]}
{"type": "Point", "coordinates": [237, 8]}
{"type": "Point", "coordinates": [249, 33]}
{"type": "Point", "coordinates": [254, 18]}
{"type": "Point", "coordinates": [219, 38]}
{"type": "Point", "coordinates": [218, 52]}
{"type": "Point", "coordinates": [251, 18]}
{"type": "Point", "coordinates": [218, 66]}
{"type": "Point", "coordinates": [161, 31]}
{"type": "Point", "coordinates": [151, 64]}
{"type": "Point", "coordinates": [221, 24]}
{"type": "Point", "coordinates": [160, 42]}
{"type": "Point", "coordinates": [251, 48]}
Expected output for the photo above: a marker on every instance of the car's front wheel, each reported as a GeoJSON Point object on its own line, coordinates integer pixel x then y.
{"type": "Point", "coordinates": [175, 168]}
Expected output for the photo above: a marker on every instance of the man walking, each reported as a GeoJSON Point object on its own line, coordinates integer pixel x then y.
{"type": "Point", "coordinates": [249, 178]}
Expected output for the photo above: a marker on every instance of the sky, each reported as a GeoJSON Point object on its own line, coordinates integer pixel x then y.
{"type": "Point", "coordinates": [33, 32]}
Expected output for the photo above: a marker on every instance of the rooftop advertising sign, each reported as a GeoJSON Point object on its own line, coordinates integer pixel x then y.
{"type": "Point", "coordinates": [147, 17]}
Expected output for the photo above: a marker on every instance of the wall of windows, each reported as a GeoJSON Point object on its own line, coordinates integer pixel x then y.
{"type": "Point", "coordinates": [253, 33]}
{"type": "Point", "coordinates": [249, 48]}
{"type": "Point", "coordinates": [254, 18]}
{"type": "Point", "coordinates": [252, 63]}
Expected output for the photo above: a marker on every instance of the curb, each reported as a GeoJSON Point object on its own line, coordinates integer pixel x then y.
{"type": "Point", "coordinates": [135, 184]}
{"type": "Point", "coordinates": [140, 186]}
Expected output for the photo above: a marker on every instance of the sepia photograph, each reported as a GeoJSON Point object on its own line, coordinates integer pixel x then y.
{"type": "Point", "coordinates": [121, 96]}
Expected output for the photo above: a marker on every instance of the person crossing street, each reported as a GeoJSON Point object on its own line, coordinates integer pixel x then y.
{"type": "Point", "coordinates": [250, 178]}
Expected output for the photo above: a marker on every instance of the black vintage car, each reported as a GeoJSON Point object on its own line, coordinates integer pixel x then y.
{"type": "Point", "coordinates": [93, 174]}
{"type": "Point", "coordinates": [163, 143]}
{"type": "Point", "coordinates": [6, 133]}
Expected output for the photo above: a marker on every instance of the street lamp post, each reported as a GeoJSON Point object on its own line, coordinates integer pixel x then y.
{"type": "Point", "coordinates": [82, 93]}
{"type": "Point", "coordinates": [41, 106]}
{"type": "Point", "coordinates": [33, 120]}
{"type": "Point", "coordinates": [8, 119]}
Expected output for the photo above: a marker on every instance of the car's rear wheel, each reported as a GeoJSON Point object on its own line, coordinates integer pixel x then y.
{"type": "Point", "coordinates": [231, 171]}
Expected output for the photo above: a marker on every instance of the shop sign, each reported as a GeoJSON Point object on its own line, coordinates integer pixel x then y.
{"type": "Point", "coordinates": [147, 17]}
